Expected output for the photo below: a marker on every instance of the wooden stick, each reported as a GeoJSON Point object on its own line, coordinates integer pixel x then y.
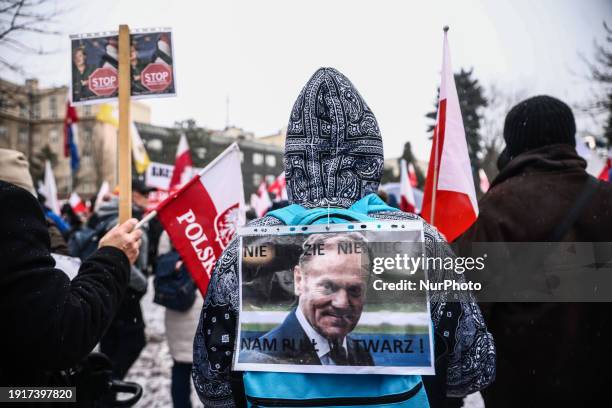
{"type": "Point", "coordinates": [124, 145]}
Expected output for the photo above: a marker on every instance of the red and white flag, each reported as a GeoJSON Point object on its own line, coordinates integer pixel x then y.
{"type": "Point", "coordinates": [412, 175]}
{"type": "Point", "coordinates": [604, 174]}
{"type": "Point", "coordinates": [279, 188]}
{"type": "Point", "coordinates": [78, 206]}
{"type": "Point", "coordinates": [202, 217]}
{"type": "Point", "coordinates": [182, 164]}
{"type": "Point", "coordinates": [407, 201]}
{"type": "Point", "coordinates": [484, 181]}
{"type": "Point", "coordinates": [449, 202]}
{"type": "Point", "coordinates": [261, 202]}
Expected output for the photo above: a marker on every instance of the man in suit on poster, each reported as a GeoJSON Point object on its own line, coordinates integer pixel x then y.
{"type": "Point", "coordinates": [331, 289]}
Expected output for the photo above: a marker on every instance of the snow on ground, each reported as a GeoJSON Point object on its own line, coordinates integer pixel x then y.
{"type": "Point", "coordinates": [152, 369]}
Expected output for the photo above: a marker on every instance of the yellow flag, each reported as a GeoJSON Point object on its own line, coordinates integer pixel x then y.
{"type": "Point", "coordinates": [141, 158]}
{"type": "Point", "coordinates": [105, 115]}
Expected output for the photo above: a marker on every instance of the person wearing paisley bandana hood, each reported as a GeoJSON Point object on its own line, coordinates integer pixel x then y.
{"type": "Point", "coordinates": [334, 157]}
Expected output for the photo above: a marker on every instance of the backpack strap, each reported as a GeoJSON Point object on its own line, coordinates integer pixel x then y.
{"type": "Point", "coordinates": [295, 214]}
{"type": "Point", "coordinates": [370, 204]}
{"type": "Point", "coordinates": [287, 214]}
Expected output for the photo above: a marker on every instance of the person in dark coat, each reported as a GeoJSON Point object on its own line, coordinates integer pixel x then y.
{"type": "Point", "coordinates": [125, 337]}
{"type": "Point", "coordinates": [50, 323]}
{"type": "Point", "coordinates": [548, 354]}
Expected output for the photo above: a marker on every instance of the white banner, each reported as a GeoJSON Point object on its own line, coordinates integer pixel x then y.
{"type": "Point", "coordinates": [158, 175]}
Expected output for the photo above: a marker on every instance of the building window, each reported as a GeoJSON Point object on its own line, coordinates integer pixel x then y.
{"type": "Point", "coordinates": [270, 178]}
{"type": "Point", "coordinates": [87, 161]}
{"type": "Point", "coordinates": [87, 134]}
{"type": "Point", "coordinates": [256, 179]}
{"type": "Point", "coordinates": [22, 138]}
{"type": "Point", "coordinates": [23, 110]}
{"type": "Point", "coordinates": [4, 136]}
{"type": "Point", "coordinates": [155, 144]}
{"type": "Point", "coordinates": [270, 160]}
{"type": "Point", "coordinates": [53, 107]}
{"type": "Point", "coordinates": [258, 159]}
{"type": "Point", "coordinates": [36, 112]}
{"type": "Point", "coordinates": [200, 152]}
{"type": "Point", "coordinates": [53, 137]}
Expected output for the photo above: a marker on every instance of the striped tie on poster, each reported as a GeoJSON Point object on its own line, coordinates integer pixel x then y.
{"type": "Point", "coordinates": [201, 218]}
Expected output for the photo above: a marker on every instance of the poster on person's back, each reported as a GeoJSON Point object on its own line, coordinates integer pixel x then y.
{"type": "Point", "coordinates": [95, 64]}
{"type": "Point", "coordinates": [335, 298]}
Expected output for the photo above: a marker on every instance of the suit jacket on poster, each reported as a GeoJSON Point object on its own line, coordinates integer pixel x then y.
{"type": "Point", "coordinates": [293, 346]}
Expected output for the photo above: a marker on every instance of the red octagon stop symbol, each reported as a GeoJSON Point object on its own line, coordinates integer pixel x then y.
{"type": "Point", "coordinates": [156, 77]}
{"type": "Point", "coordinates": [103, 81]}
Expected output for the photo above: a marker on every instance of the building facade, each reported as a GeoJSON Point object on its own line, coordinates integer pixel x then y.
{"type": "Point", "coordinates": [32, 121]}
{"type": "Point", "coordinates": [260, 161]}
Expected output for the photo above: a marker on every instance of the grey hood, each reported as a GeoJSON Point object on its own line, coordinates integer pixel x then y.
{"type": "Point", "coordinates": [333, 149]}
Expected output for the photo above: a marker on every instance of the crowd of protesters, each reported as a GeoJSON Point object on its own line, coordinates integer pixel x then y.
{"type": "Point", "coordinates": [51, 324]}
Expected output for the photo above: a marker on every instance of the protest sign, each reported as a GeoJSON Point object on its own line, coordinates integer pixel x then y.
{"type": "Point", "coordinates": [95, 62]}
{"type": "Point", "coordinates": [158, 175]}
{"type": "Point", "coordinates": [338, 298]}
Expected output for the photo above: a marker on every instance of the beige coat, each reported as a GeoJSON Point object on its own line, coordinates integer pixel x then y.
{"type": "Point", "coordinates": [180, 326]}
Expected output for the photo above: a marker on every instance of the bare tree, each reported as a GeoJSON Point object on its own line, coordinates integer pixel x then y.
{"type": "Point", "coordinates": [22, 17]}
{"type": "Point", "coordinates": [600, 75]}
{"type": "Point", "coordinates": [492, 127]}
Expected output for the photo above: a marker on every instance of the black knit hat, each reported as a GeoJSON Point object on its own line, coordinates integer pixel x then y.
{"type": "Point", "coordinates": [538, 121]}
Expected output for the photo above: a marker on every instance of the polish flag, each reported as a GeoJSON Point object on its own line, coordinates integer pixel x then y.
{"type": "Point", "coordinates": [279, 188]}
{"type": "Point", "coordinates": [449, 202]}
{"type": "Point", "coordinates": [412, 175]}
{"type": "Point", "coordinates": [484, 181]}
{"type": "Point", "coordinates": [202, 217]}
{"type": "Point", "coordinates": [604, 174]}
{"type": "Point", "coordinates": [77, 204]}
{"type": "Point", "coordinates": [407, 201]}
{"type": "Point", "coordinates": [261, 202]}
{"type": "Point", "coordinates": [182, 164]}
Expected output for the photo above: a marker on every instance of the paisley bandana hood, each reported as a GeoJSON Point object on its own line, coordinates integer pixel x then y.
{"type": "Point", "coordinates": [333, 149]}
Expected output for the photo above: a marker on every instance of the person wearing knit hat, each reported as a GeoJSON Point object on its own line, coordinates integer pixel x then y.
{"type": "Point", "coordinates": [552, 352]}
{"type": "Point", "coordinates": [14, 168]}
{"type": "Point", "coordinates": [536, 122]}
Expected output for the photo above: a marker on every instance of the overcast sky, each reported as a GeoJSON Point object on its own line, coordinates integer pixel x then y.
{"type": "Point", "coordinates": [261, 53]}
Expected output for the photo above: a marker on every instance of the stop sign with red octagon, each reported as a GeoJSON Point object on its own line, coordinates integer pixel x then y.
{"type": "Point", "coordinates": [103, 81]}
{"type": "Point", "coordinates": [156, 77]}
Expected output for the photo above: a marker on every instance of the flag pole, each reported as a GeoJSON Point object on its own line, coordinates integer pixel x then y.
{"type": "Point", "coordinates": [146, 219]}
{"type": "Point", "coordinates": [124, 148]}
{"type": "Point", "coordinates": [436, 158]}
